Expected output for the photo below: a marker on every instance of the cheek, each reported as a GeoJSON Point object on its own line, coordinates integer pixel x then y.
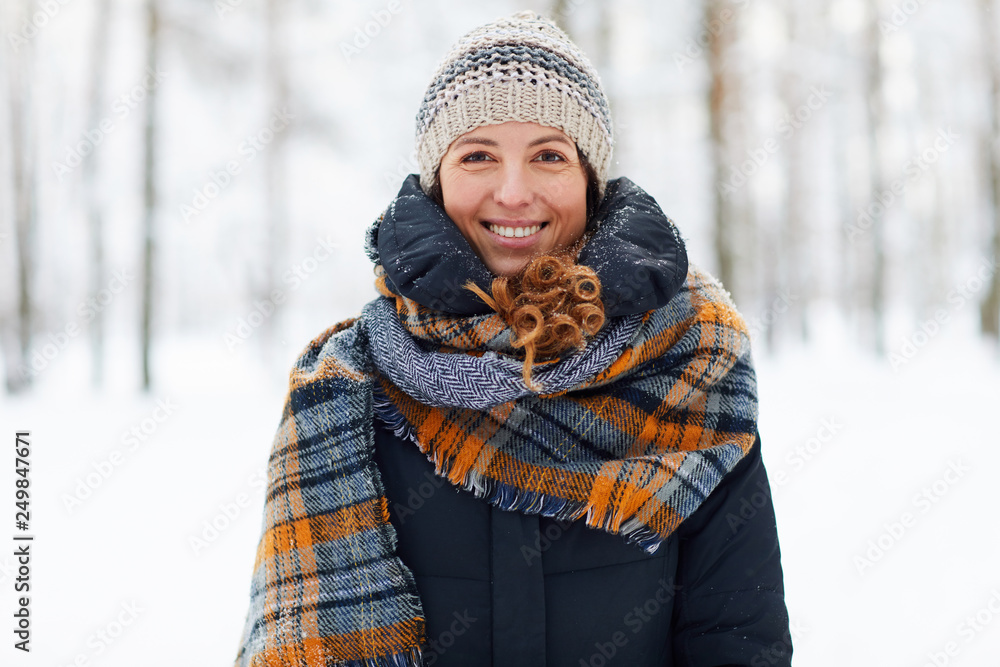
{"type": "Point", "coordinates": [459, 200]}
{"type": "Point", "coordinates": [570, 200]}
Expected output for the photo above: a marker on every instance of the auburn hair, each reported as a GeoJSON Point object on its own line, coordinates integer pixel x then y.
{"type": "Point", "coordinates": [552, 305]}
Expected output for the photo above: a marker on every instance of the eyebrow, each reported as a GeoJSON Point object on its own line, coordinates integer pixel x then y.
{"type": "Point", "coordinates": [483, 141]}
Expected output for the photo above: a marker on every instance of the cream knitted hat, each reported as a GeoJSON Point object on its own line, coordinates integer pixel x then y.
{"type": "Point", "coordinates": [522, 68]}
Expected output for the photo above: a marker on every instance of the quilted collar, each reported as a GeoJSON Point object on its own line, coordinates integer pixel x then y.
{"type": "Point", "coordinates": [636, 251]}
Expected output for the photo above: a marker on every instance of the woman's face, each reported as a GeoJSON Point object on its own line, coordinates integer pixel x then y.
{"type": "Point", "coordinates": [515, 191]}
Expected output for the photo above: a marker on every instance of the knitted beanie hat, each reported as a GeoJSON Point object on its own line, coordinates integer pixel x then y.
{"type": "Point", "coordinates": [522, 68]}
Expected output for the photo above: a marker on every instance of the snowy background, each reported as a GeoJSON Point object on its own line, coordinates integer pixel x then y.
{"type": "Point", "coordinates": [146, 504]}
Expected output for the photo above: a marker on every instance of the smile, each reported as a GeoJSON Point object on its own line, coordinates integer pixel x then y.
{"type": "Point", "coordinates": [515, 232]}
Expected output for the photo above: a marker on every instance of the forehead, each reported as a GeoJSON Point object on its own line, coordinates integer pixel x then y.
{"type": "Point", "coordinates": [512, 134]}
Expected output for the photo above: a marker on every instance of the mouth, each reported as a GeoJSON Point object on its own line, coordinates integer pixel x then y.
{"type": "Point", "coordinates": [514, 231]}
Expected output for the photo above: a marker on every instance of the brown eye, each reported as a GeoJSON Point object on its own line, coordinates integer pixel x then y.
{"type": "Point", "coordinates": [478, 156]}
{"type": "Point", "coordinates": [550, 156]}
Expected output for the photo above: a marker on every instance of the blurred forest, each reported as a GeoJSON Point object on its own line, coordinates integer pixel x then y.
{"type": "Point", "coordinates": [203, 171]}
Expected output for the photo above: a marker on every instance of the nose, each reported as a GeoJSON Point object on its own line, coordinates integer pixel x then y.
{"type": "Point", "coordinates": [514, 189]}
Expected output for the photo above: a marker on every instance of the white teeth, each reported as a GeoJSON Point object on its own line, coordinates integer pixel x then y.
{"type": "Point", "coordinates": [514, 232]}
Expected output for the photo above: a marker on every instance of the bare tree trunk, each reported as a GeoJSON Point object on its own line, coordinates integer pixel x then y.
{"type": "Point", "coordinates": [793, 255]}
{"type": "Point", "coordinates": [617, 99]}
{"type": "Point", "coordinates": [277, 210]}
{"type": "Point", "coordinates": [930, 272]}
{"type": "Point", "coordinates": [99, 53]}
{"type": "Point", "coordinates": [846, 255]}
{"type": "Point", "coordinates": [149, 194]}
{"type": "Point", "coordinates": [989, 314]}
{"type": "Point", "coordinates": [876, 114]}
{"type": "Point", "coordinates": [559, 8]}
{"type": "Point", "coordinates": [20, 61]}
{"type": "Point", "coordinates": [722, 102]}
{"type": "Point", "coordinates": [603, 55]}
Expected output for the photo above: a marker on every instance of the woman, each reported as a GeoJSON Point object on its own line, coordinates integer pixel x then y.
{"type": "Point", "coordinates": [539, 446]}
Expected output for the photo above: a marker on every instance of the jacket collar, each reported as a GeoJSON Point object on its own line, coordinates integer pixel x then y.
{"type": "Point", "coordinates": [637, 252]}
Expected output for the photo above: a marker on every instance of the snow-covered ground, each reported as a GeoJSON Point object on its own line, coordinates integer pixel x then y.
{"type": "Point", "coordinates": [146, 510]}
{"type": "Point", "coordinates": [883, 487]}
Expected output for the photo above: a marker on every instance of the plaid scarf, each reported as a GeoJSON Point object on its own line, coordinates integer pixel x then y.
{"type": "Point", "coordinates": [630, 435]}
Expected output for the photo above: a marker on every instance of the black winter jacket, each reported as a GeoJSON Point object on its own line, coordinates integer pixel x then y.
{"type": "Point", "coordinates": [514, 590]}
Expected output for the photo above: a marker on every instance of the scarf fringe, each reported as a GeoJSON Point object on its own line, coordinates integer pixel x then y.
{"type": "Point", "coordinates": [411, 658]}
{"type": "Point", "coordinates": [512, 499]}
{"type": "Point", "coordinates": [509, 498]}
{"type": "Point", "coordinates": [386, 411]}
{"type": "Point", "coordinates": [636, 532]}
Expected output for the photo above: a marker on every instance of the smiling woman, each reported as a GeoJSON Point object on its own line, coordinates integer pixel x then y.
{"type": "Point", "coordinates": [537, 446]}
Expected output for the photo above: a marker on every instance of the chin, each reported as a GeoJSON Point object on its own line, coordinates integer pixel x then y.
{"type": "Point", "coordinates": [506, 271]}
{"type": "Point", "coordinates": [507, 268]}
